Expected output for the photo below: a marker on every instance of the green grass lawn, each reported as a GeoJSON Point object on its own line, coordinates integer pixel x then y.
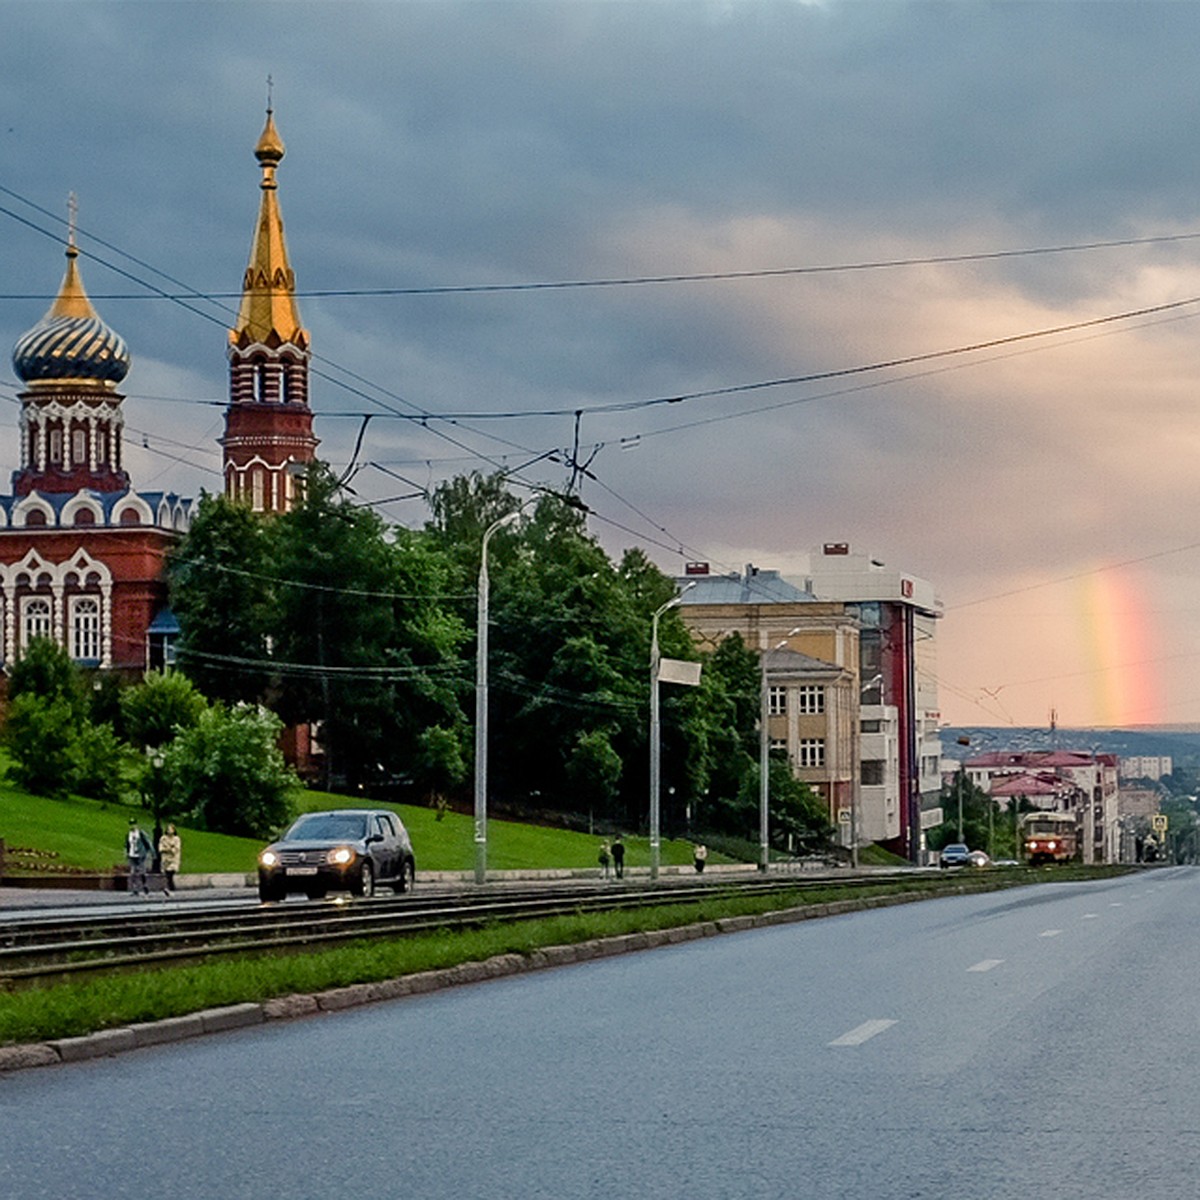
{"type": "Point", "coordinates": [86, 833]}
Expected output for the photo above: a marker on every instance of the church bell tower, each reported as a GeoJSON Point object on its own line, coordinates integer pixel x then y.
{"type": "Point", "coordinates": [268, 424]}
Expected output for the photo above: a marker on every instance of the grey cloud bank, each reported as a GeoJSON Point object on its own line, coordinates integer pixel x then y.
{"type": "Point", "coordinates": [449, 144]}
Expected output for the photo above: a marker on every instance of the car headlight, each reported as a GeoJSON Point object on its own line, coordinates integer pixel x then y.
{"type": "Point", "coordinates": [268, 858]}
{"type": "Point", "coordinates": [342, 855]}
{"type": "Point", "coordinates": [1050, 845]}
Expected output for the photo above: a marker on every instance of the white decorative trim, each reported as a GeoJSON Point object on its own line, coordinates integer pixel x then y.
{"type": "Point", "coordinates": [78, 501]}
{"type": "Point", "coordinates": [35, 572]}
{"type": "Point", "coordinates": [134, 501]}
{"type": "Point", "coordinates": [31, 503]}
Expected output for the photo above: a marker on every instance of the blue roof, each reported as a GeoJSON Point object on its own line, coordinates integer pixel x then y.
{"type": "Point", "coordinates": [757, 586]}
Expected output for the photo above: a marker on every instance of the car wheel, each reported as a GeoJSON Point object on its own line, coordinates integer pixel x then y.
{"type": "Point", "coordinates": [366, 884]}
{"type": "Point", "coordinates": [408, 878]}
{"type": "Point", "coordinates": [268, 892]}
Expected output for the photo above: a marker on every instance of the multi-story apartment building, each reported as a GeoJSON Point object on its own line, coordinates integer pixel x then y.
{"type": "Point", "coordinates": [1146, 766]}
{"type": "Point", "coordinates": [809, 652]}
{"type": "Point", "coordinates": [897, 612]}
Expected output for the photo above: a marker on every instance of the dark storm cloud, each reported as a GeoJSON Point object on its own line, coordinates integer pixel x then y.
{"type": "Point", "coordinates": [451, 143]}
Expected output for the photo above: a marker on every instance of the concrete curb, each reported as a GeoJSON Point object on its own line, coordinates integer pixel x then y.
{"type": "Point", "coordinates": [108, 1042]}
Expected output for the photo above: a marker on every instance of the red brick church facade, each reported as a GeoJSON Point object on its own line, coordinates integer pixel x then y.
{"type": "Point", "coordinates": [82, 551]}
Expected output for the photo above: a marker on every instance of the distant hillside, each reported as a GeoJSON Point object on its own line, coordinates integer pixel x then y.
{"type": "Point", "coordinates": [1181, 742]}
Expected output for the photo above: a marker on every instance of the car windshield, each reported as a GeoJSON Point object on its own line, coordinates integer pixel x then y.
{"type": "Point", "coordinates": [956, 848]}
{"type": "Point", "coordinates": [333, 827]}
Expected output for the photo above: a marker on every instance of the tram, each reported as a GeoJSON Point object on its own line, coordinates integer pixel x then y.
{"type": "Point", "coordinates": [1049, 837]}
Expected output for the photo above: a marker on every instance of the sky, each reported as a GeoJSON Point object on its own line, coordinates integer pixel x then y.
{"type": "Point", "coordinates": [871, 184]}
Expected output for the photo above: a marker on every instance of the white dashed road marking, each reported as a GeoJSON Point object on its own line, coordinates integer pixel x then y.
{"type": "Point", "coordinates": [863, 1033]}
{"type": "Point", "coordinates": [1050, 933]}
{"type": "Point", "coordinates": [986, 964]}
{"type": "Point", "coordinates": [1090, 916]}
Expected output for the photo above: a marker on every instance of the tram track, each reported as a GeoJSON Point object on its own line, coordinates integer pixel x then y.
{"type": "Point", "coordinates": [40, 950]}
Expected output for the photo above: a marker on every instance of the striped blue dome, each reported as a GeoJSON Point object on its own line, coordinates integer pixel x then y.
{"type": "Point", "coordinates": [71, 341]}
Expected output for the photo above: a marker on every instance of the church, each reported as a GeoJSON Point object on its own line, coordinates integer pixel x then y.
{"type": "Point", "coordinates": [82, 550]}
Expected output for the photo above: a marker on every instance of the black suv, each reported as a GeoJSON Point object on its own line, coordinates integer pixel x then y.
{"type": "Point", "coordinates": [344, 850]}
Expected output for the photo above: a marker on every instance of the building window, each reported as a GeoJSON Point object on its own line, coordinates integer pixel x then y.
{"type": "Point", "coordinates": [812, 752]}
{"type": "Point", "coordinates": [811, 698]}
{"type": "Point", "coordinates": [257, 491]}
{"type": "Point", "coordinates": [36, 620]}
{"type": "Point", "coordinates": [779, 745]}
{"type": "Point", "coordinates": [871, 726]}
{"type": "Point", "coordinates": [777, 701]}
{"type": "Point", "coordinates": [56, 445]}
{"type": "Point", "coordinates": [78, 446]}
{"type": "Point", "coordinates": [85, 629]}
{"type": "Point", "coordinates": [872, 772]}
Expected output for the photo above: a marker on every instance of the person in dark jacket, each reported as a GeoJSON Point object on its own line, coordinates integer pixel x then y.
{"type": "Point", "coordinates": [138, 852]}
{"type": "Point", "coordinates": [618, 857]}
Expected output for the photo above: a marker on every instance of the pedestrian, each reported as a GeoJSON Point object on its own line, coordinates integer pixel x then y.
{"type": "Point", "coordinates": [618, 857]}
{"type": "Point", "coordinates": [604, 860]}
{"type": "Point", "coordinates": [137, 853]}
{"type": "Point", "coordinates": [170, 851]}
{"type": "Point", "coordinates": [700, 857]}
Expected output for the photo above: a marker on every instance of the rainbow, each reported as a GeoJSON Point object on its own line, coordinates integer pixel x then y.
{"type": "Point", "coordinates": [1118, 640]}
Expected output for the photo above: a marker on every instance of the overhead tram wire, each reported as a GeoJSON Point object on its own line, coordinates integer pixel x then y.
{"type": "Point", "coordinates": [159, 293]}
{"type": "Point", "coordinates": [425, 416]}
{"type": "Point", "coordinates": [629, 280]}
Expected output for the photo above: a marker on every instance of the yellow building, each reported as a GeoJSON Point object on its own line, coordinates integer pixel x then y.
{"type": "Point", "coordinates": [810, 655]}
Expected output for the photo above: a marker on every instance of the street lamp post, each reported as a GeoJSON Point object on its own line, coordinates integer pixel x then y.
{"type": "Point", "coordinates": [764, 773]}
{"type": "Point", "coordinates": [481, 702]}
{"type": "Point", "coordinates": [764, 760]}
{"type": "Point", "coordinates": [655, 737]}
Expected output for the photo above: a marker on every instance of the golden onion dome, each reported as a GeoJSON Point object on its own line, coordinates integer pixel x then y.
{"type": "Point", "coordinates": [71, 341]}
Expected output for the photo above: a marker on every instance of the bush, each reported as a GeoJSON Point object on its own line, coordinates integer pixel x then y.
{"type": "Point", "coordinates": [102, 765]}
{"type": "Point", "coordinates": [227, 772]}
{"type": "Point", "coordinates": [40, 734]}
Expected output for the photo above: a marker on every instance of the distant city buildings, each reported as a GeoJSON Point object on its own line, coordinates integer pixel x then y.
{"type": "Point", "coordinates": [1146, 766]}
{"type": "Point", "coordinates": [1077, 781]}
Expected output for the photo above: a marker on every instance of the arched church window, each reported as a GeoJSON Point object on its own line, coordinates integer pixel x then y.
{"type": "Point", "coordinates": [36, 619]}
{"type": "Point", "coordinates": [85, 629]}
{"type": "Point", "coordinates": [257, 489]}
{"type": "Point", "coordinates": [56, 445]}
{"type": "Point", "coordinates": [129, 516]}
{"type": "Point", "coordinates": [78, 446]}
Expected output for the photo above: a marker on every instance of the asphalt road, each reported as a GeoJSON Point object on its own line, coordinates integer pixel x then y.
{"type": "Point", "coordinates": [1038, 1042]}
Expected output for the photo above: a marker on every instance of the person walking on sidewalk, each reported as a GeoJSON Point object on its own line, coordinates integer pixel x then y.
{"type": "Point", "coordinates": [137, 853]}
{"type": "Point", "coordinates": [603, 860]}
{"type": "Point", "coordinates": [618, 857]}
{"type": "Point", "coordinates": [170, 851]}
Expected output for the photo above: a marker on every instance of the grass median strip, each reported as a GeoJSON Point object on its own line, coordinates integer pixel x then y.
{"type": "Point", "coordinates": [73, 1007]}
{"type": "Point", "coordinates": [76, 1007]}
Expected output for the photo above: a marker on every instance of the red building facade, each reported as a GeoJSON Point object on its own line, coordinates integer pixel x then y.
{"type": "Point", "coordinates": [81, 551]}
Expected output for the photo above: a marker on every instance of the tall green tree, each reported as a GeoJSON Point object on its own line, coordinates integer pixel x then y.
{"type": "Point", "coordinates": [223, 581]}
